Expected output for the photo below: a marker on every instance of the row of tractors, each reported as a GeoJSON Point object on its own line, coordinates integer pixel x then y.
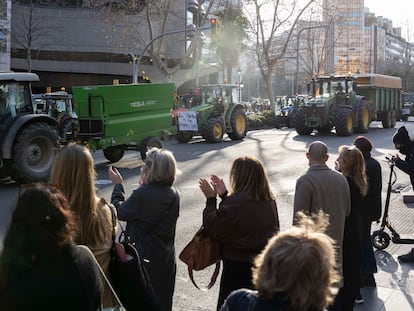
{"type": "Point", "coordinates": [112, 118]}
{"type": "Point", "coordinates": [347, 104]}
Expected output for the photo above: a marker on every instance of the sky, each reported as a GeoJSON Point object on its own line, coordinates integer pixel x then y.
{"type": "Point", "coordinates": [398, 11]}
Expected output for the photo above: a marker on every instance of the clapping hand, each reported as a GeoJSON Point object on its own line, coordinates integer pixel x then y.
{"type": "Point", "coordinates": [218, 185]}
{"type": "Point", "coordinates": [207, 188]}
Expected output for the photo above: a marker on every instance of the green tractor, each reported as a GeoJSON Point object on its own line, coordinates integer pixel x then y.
{"type": "Point", "coordinates": [219, 113]}
{"type": "Point", "coordinates": [349, 104]}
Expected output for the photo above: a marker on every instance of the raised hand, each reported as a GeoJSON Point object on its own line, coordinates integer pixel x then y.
{"type": "Point", "coordinates": [207, 188]}
{"type": "Point", "coordinates": [114, 175]}
{"type": "Point", "coordinates": [218, 185]}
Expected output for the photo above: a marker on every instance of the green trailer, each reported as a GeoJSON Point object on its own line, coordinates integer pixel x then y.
{"type": "Point", "coordinates": [117, 118]}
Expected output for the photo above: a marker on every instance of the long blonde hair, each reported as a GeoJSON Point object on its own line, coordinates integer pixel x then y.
{"type": "Point", "coordinates": [354, 165]}
{"type": "Point", "coordinates": [74, 172]}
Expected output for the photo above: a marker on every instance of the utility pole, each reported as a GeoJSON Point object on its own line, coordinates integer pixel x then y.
{"type": "Point", "coordinates": [297, 52]}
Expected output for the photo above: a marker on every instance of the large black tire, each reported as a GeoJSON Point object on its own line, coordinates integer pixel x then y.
{"type": "Point", "coordinates": [393, 119]}
{"type": "Point", "coordinates": [183, 137]}
{"type": "Point", "coordinates": [238, 123]}
{"type": "Point", "coordinates": [114, 154]}
{"type": "Point", "coordinates": [363, 117]}
{"type": "Point", "coordinates": [214, 130]}
{"type": "Point", "coordinates": [299, 121]}
{"type": "Point", "coordinates": [34, 152]}
{"type": "Point", "coordinates": [279, 122]}
{"type": "Point", "coordinates": [386, 119]}
{"type": "Point", "coordinates": [147, 144]}
{"type": "Point", "coordinates": [344, 122]}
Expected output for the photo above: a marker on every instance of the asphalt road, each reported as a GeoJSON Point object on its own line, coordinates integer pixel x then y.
{"type": "Point", "coordinates": [281, 151]}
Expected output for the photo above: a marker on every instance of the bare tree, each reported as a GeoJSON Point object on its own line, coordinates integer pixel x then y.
{"type": "Point", "coordinates": [272, 18]}
{"type": "Point", "coordinates": [31, 30]}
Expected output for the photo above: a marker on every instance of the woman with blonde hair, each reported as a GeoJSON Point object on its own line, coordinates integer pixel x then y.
{"type": "Point", "coordinates": [295, 271]}
{"type": "Point", "coordinates": [151, 214]}
{"type": "Point", "coordinates": [75, 174]}
{"type": "Point", "coordinates": [251, 201]}
{"type": "Point", "coordinates": [352, 165]}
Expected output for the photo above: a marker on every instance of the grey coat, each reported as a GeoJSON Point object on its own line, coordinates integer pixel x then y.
{"type": "Point", "coordinates": [322, 188]}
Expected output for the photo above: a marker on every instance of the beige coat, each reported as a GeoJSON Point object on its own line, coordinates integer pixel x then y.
{"type": "Point", "coordinates": [322, 188]}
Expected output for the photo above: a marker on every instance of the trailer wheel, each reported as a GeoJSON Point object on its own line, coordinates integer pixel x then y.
{"type": "Point", "coordinates": [363, 117]}
{"type": "Point", "coordinates": [183, 137]}
{"type": "Point", "coordinates": [344, 122]}
{"type": "Point", "coordinates": [386, 119]}
{"type": "Point", "coordinates": [147, 144]}
{"type": "Point", "coordinates": [34, 152]}
{"type": "Point", "coordinates": [299, 122]}
{"type": "Point", "coordinates": [393, 119]}
{"type": "Point", "coordinates": [380, 239]}
{"type": "Point", "coordinates": [214, 130]}
{"type": "Point", "coordinates": [238, 122]}
{"type": "Point", "coordinates": [114, 154]}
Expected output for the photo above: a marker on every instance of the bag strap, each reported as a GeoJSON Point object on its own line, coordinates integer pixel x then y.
{"type": "Point", "coordinates": [102, 273]}
{"type": "Point", "coordinates": [213, 277]}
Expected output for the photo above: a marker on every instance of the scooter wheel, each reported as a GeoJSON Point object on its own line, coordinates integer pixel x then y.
{"type": "Point", "coordinates": [380, 240]}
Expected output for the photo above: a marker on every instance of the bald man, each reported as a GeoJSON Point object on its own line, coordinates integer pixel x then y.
{"type": "Point", "coordinates": [324, 189]}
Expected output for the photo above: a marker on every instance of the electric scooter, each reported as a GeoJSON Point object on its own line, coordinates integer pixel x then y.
{"type": "Point", "coordinates": [380, 239]}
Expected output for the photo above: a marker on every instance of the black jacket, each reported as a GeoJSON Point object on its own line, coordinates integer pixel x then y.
{"type": "Point", "coordinates": [371, 208]}
{"type": "Point", "coordinates": [407, 165]}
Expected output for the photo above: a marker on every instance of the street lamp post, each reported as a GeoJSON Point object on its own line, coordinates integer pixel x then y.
{"type": "Point", "coordinates": [297, 51]}
{"type": "Point", "coordinates": [239, 71]}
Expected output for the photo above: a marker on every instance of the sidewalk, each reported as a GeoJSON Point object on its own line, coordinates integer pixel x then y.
{"type": "Point", "coordinates": [395, 286]}
{"type": "Point", "coordinates": [395, 280]}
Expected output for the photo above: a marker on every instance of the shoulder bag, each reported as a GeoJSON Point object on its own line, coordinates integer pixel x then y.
{"type": "Point", "coordinates": [120, 307]}
{"type": "Point", "coordinates": [128, 274]}
{"type": "Point", "coordinates": [201, 252]}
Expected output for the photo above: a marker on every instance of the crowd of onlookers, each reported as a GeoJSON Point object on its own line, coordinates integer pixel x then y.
{"type": "Point", "coordinates": [319, 264]}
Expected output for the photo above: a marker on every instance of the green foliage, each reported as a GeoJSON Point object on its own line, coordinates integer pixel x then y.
{"type": "Point", "coordinates": [264, 119]}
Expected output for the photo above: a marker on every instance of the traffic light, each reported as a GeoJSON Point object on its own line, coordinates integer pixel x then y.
{"type": "Point", "coordinates": [213, 25]}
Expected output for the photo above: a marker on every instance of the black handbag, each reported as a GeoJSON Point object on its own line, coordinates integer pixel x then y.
{"type": "Point", "coordinates": [129, 276]}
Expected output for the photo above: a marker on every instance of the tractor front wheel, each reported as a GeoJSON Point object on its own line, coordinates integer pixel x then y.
{"type": "Point", "coordinates": [344, 122]}
{"type": "Point", "coordinates": [183, 137]}
{"type": "Point", "coordinates": [299, 121]}
{"type": "Point", "coordinates": [214, 130]}
{"type": "Point", "coordinates": [238, 122]}
{"type": "Point", "coordinates": [34, 152]}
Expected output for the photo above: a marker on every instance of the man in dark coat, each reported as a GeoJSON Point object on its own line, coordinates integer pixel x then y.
{"type": "Point", "coordinates": [405, 146]}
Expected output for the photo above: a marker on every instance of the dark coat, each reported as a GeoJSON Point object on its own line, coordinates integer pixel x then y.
{"type": "Point", "coordinates": [407, 165]}
{"type": "Point", "coordinates": [151, 214]}
{"type": "Point", "coordinates": [371, 208]}
{"type": "Point", "coordinates": [242, 226]}
{"type": "Point", "coordinates": [68, 281]}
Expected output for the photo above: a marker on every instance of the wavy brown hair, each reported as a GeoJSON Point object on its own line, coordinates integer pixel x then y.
{"type": "Point", "coordinates": [41, 225]}
{"type": "Point", "coordinates": [74, 172]}
{"type": "Point", "coordinates": [247, 175]}
{"type": "Point", "coordinates": [300, 263]}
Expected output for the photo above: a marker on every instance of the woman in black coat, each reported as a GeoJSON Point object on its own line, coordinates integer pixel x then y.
{"type": "Point", "coordinates": [151, 213]}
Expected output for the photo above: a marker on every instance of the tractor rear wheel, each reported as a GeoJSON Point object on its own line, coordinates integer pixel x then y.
{"type": "Point", "coordinates": [238, 122]}
{"type": "Point", "coordinates": [114, 154]}
{"type": "Point", "coordinates": [34, 152]}
{"type": "Point", "coordinates": [147, 144]}
{"type": "Point", "coordinates": [214, 130]}
{"type": "Point", "coordinates": [183, 137]}
{"type": "Point", "coordinates": [363, 117]}
{"type": "Point", "coordinates": [344, 122]}
{"type": "Point", "coordinates": [299, 122]}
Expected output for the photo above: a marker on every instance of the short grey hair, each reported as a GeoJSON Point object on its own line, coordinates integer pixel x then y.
{"type": "Point", "coordinates": [161, 166]}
